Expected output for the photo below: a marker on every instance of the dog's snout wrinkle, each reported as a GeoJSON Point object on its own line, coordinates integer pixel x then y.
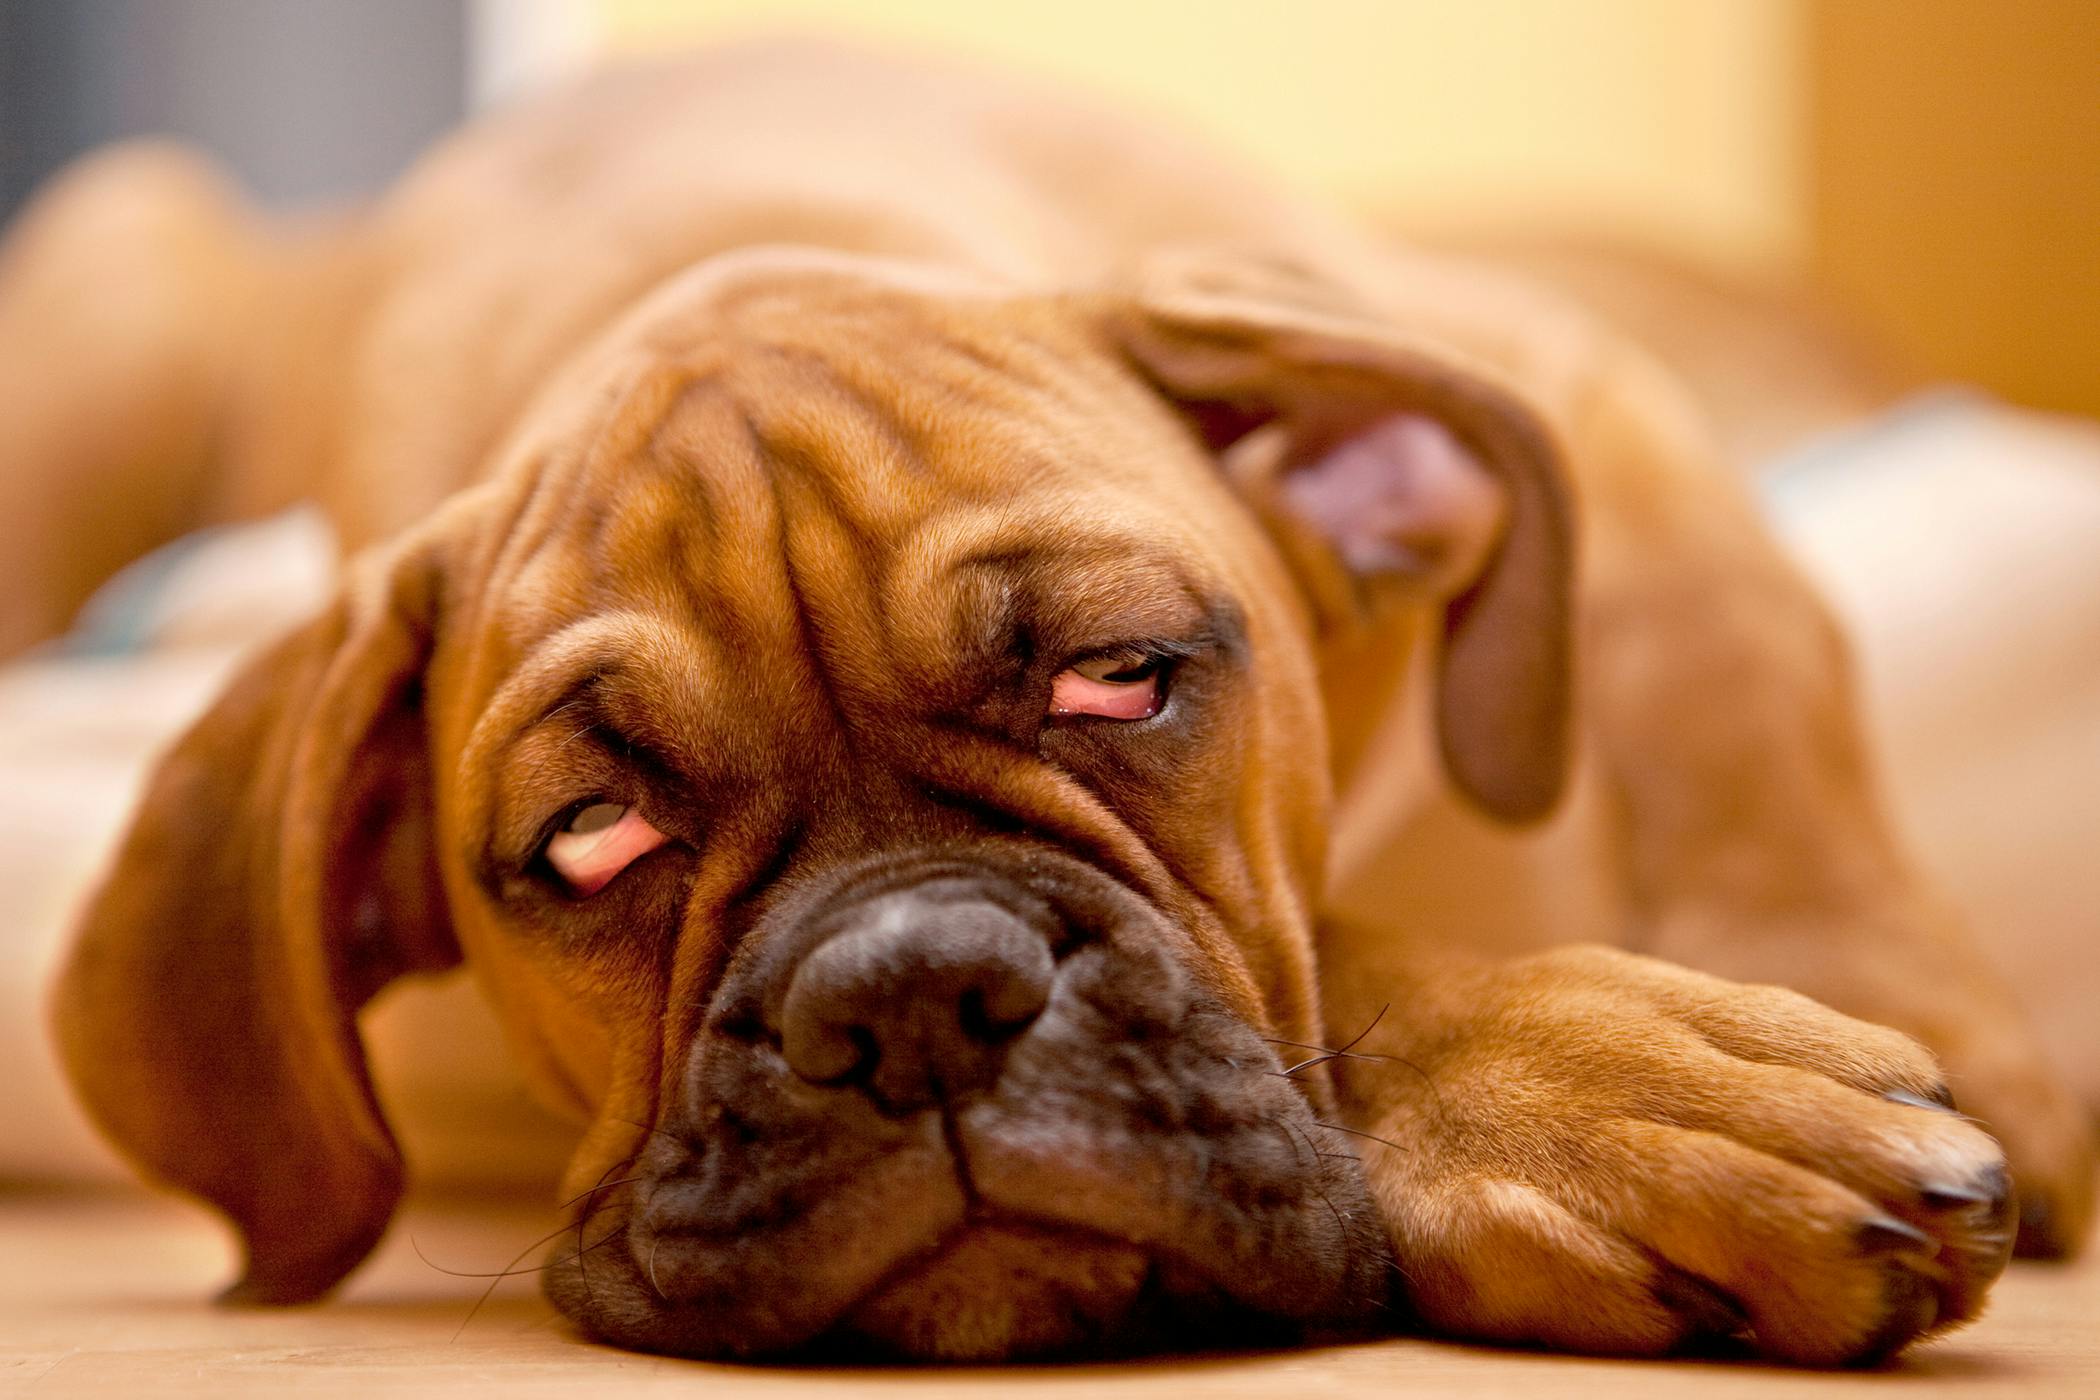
{"type": "Point", "coordinates": [915, 997]}
{"type": "Point", "coordinates": [971, 1103]}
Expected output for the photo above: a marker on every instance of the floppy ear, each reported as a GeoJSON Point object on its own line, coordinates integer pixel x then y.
{"type": "Point", "coordinates": [280, 871]}
{"type": "Point", "coordinates": [1386, 465]}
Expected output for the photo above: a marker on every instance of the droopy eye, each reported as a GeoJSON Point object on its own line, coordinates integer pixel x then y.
{"type": "Point", "coordinates": [598, 842]}
{"type": "Point", "coordinates": [1113, 687]}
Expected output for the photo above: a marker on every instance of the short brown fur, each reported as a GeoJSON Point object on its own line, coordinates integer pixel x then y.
{"type": "Point", "coordinates": [733, 437]}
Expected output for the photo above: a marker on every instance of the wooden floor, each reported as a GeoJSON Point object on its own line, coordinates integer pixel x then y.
{"type": "Point", "coordinates": [103, 1296]}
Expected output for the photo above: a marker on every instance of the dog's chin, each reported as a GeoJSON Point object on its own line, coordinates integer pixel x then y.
{"type": "Point", "coordinates": [1000, 1291]}
{"type": "Point", "coordinates": [1051, 1243]}
{"type": "Point", "coordinates": [994, 1289]}
{"type": "Point", "coordinates": [1010, 1290]}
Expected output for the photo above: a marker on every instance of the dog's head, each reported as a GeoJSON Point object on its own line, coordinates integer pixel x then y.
{"type": "Point", "coordinates": [868, 740]}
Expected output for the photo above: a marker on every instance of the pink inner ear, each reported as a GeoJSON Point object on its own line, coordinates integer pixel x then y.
{"type": "Point", "coordinates": [1403, 497]}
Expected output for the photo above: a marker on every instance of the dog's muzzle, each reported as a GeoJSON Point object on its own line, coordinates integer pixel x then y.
{"type": "Point", "coordinates": [972, 1104]}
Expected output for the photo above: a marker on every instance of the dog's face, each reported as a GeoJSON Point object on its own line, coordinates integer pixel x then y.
{"type": "Point", "coordinates": [868, 739]}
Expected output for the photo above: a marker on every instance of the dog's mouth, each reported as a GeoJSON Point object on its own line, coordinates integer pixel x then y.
{"type": "Point", "coordinates": [1061, 1254]}
{"type": "Point", "coordinates": [1138, 1173]}
{"type": "Point", "coordinates": [1001, 1289]}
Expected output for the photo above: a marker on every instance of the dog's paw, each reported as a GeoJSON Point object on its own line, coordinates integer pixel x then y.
{"type": "Point", "coordinates": [2001, 1077]}
{"type": "Point", "coordinates": [2047, 1135]}
{"type": "Point", "coordinates": [1915, 967]}
{"type": "Point", "coordinates": [1608, 1153]}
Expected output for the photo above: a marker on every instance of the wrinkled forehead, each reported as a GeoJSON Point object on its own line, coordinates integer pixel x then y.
{"type": "Point", "coordinates": [899, 485]}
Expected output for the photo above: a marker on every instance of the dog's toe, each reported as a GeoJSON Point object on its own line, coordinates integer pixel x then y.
{"type": "Point", "coordinates": [1912, 1308]}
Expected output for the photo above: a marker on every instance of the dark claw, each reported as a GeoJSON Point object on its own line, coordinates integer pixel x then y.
{"type": "Point", "coordinates": [1988, 1249]}
{"type": "Point", "coordinates": [1945, 1105]}
{"type": "Point", "coordinates": [1992, 1188]}
{"type": "Point", "coordinates": [1711, 1312]}
{"type": "Point", "coordinates": [1885, 1234]}
{"type": "Point", "coordinates": [2039, 1236]}
{"type": "Point", "coordinates": [1913, 1306]}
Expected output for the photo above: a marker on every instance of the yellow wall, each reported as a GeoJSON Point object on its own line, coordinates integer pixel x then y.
{"type": "Point", "coordinates": [1672, 119]}
{"type": "Point", "coordinates": [1956, 195]}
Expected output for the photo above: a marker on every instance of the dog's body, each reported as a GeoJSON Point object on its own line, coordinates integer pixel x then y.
{"type": "Point", "coordinates": [811, 431]}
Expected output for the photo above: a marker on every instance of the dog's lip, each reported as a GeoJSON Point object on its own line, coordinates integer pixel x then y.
{"type": "Point", "coordinates": [942, 1234]}
{"type": "Point", "coordinates": [1084, 1179]}
{"type": "Point", "coordinates": [980, 1219]}
{"type": "Point", "coordinates": [852, 1330]}
{"type": "Point", "coordinates": [1157, 1194]}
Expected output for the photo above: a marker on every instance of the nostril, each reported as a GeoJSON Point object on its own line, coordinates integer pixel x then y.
{"type": "Point", "coordinates": [972, 1017]}
{"type": "Point", "coordinates": [823, 1050]}
{"type": "Point", "coordinates": [1004, 1001]}
{"type": "Point", "coordinates": [991, 1024]}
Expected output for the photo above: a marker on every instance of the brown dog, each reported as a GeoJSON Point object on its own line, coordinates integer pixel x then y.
{"type": "Point", "coordinates": [899, 641]}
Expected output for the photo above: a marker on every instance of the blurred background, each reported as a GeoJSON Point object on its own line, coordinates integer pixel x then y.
{"type": "Point", "coordinates": [1933, 166]}
{"type": "Point", "coordinates": [1816, 210]}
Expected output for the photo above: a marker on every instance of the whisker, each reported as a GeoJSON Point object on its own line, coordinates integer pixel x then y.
{"type": "Point", "coordinates": [510, 1270]}
{"type": "Point", "coordinates": [1357, 1039]}
{"type": "Point", "coordinates": [1325, 1199]}
{"type": "Point", "coordinates": [1314, 1063]}
{"type": "Point", "coordinates": [1322, 1055]}
{"type": "Point", "coordinates": [590, 1206]}
{"type": "Point", "coordinates": [1283, 1126]}
{"type": "Point", "coordinates": [583, 1270]}
{"type": "Point", "coordinates": [559, 710]}
{"type": "Point", "coordinates": [592, 1191]}
{"type": "Point", "coordinates": [1358, 1132]}
{"type": "Point", "coordinates": [654, 1131]}
{"type": "Point", "coordinates": [1322, 1052]}
{"type": "Point", "coordinates": [578, 733]}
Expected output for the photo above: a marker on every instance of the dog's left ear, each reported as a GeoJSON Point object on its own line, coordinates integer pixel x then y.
{"type": "Point", "coordinates": [279, 872]}
{"type": "Point", "coordinates": [1385, 465]}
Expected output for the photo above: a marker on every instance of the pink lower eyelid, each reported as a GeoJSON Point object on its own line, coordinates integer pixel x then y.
{"type": "Point", "coordinates": [1074, 694]}
{"type": "Point", "coordinates": [591, 868]}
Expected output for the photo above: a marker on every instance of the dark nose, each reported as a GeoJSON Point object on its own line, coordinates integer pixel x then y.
{"type": "Point", "coordinates": [916, 997]}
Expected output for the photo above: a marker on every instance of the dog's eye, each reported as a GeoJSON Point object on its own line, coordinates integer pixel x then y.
{"type": "Point", "coordinates": [597, 842]}
{"type": "Point", "coordinates": [1112, 687]}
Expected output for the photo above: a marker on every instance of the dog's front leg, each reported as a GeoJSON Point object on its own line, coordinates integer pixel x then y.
{"type": "Point", "coordinates": [1719, 695]}
{"type": "Point", "coordinates": [1604, 1152]}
